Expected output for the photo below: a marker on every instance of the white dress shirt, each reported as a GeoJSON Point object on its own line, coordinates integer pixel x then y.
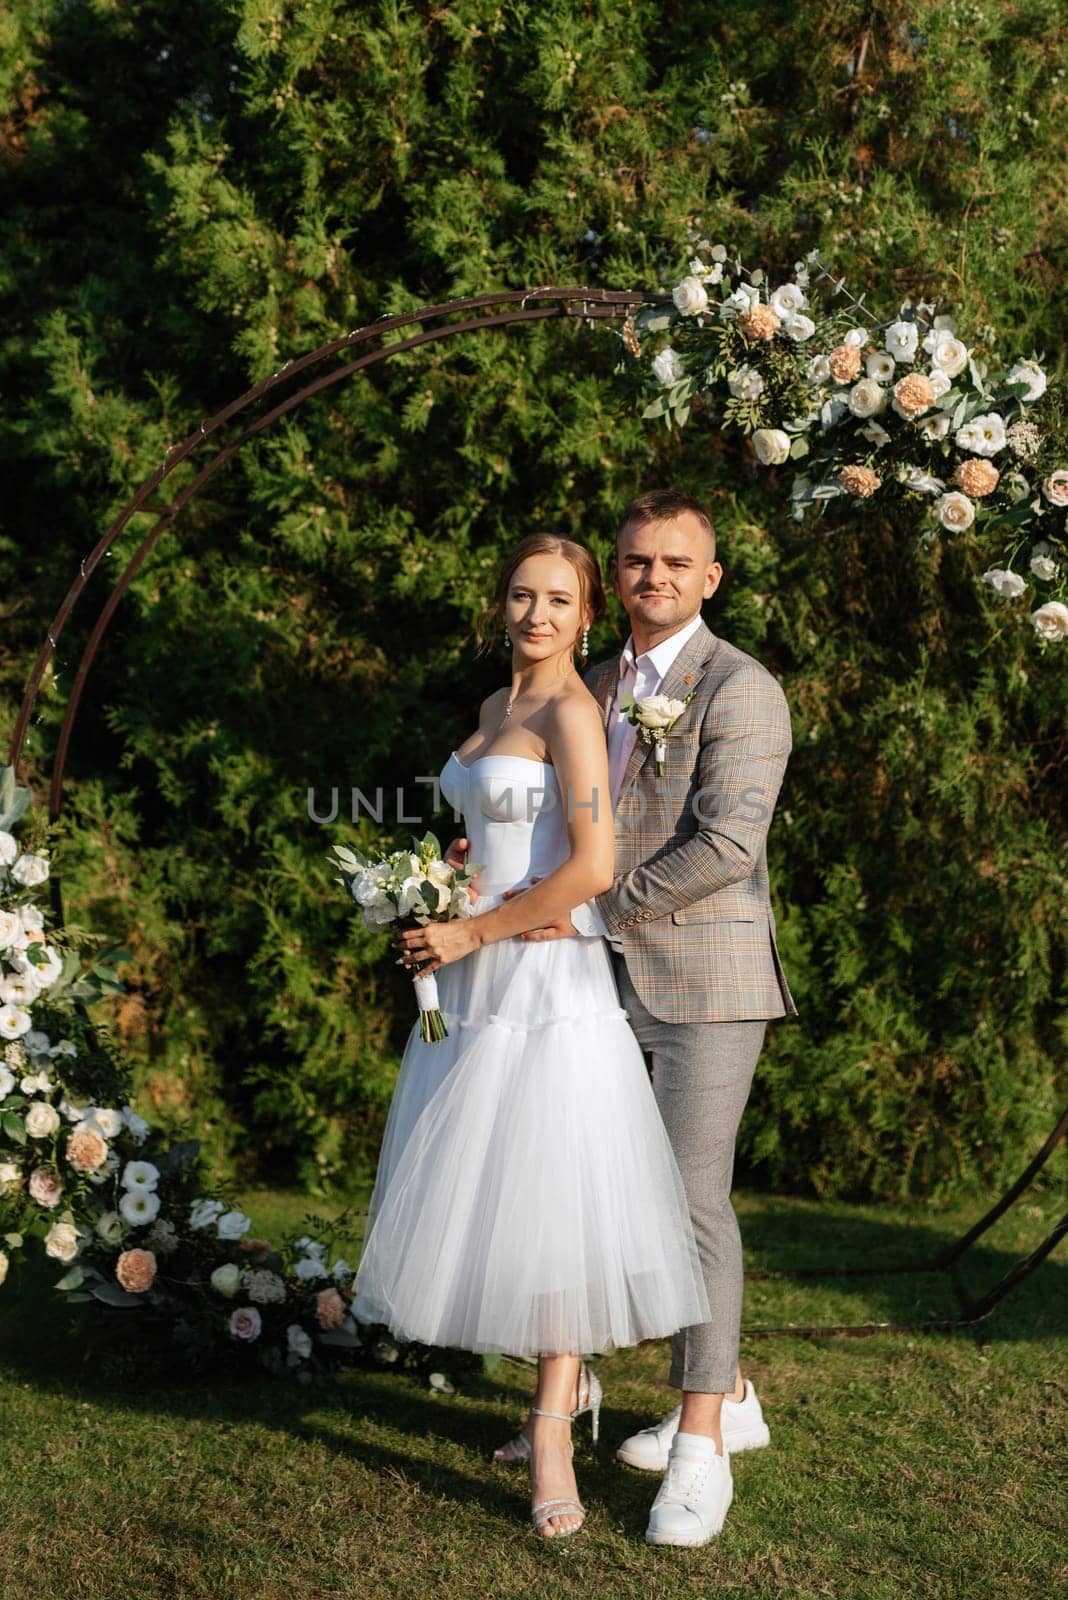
{"type": "Point", "coordinates": [641, 676]}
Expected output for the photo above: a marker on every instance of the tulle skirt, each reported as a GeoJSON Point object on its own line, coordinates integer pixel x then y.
{"type": "Point", "coordinates": [527, 1199]}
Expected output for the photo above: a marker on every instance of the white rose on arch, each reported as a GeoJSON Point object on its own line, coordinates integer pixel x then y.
{"type": "Point", "coordinates": [955, 512]}
{"type": "Point", "coordinates": [667, 367]}
{"type": "Point", "coordinates": [798, 327]}
{"type": "Point", "coordinates": [690, 297]}
{"type": "Point", "coordinates": [787, 299]}
{"type": "Point", "coordinates": [1042, 562]}
{"type": "Point", "coordinates": [950, 355]}
{"type": "Point", "coordinates": [1030, 373]}
{"type": "Point", "coordinates": [9, 847]}
{"type": "Point", "coordinates": [772, 446]}
{"type": "Point", "coordinates": [14, 1021]}
{"type": "Point", "coordinates": [745, 383]}
{"type": "Point", "coordinates": [901, 339]}
{"type": "Point", "coordinates": [985, 436]}
{"type": "Point", "coordinates": [866, 398]}
{"type": "Point", "coordinates": [1051, 620]}
{"type": "Point", "coordinates": [1007, 584]}
{"type": "Point", "coordinates": [1055, 487]}
{"type": "Point", "coordinates": [30, 870]}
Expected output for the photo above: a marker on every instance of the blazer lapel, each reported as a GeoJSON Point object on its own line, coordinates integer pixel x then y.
{"type": "Point", "coordinates": [603, 687]}
{"type": "Point", "coordinates": [683, 675]}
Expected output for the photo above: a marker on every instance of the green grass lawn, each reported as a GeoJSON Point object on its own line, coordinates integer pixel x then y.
{"type": "Point", "coordinates": [927, 1466]}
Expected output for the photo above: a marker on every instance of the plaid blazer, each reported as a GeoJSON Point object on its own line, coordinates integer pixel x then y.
{"type": "Point", "coordinates": [690, 900]}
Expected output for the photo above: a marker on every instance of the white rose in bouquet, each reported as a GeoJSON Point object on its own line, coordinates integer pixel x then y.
{"type": "Point", "coordinates": [7, 1082]}
{"type": "Point", "coordinates": [798, 327]}
{"type": "Point", "coordinates": [14, 1021]}
{"type": "Point", "coordinates": [30, 870]}
{"type": "Point", "coordinates": [983, 436]}
{"type": "Point", "coordinates": [9, 848]}
{"type": "Point", "coordinates": [950, 355]}
{"type": "Point", "coordinates": [690, 297]}
{"type": "Point", "coordinates": [667, 367]}
{"type": "Point", "coordinates": [140, 1175]}
{"type": "Point", "coordinates": [1030, 373]}
{"type": "Point", "coordinates": [308, 1268]}
{"type": "Point", "coordinates": [233, 1224]}
{"type": "Point", "coordinates": [10, 929]}
{"type": "Point", "coordinates": [298, 1341]}
{"type": "Point", "coordinates": [1007, 584]}
{"type": "Point", "coordinates": [772, 446]}
{"type": "Point", "coordinates": [109, 1227]}
{"type": "Point", "coordinates": [226, 1280]}
{"type": "Point", "coordinates": [941, 383]}
{"type": "Point", "coordinates": [880, 364]}
{"type": "Point", "coordinates": [875, 435]}
{"type": "Point", "coordinates": [818, 371]}
{"type": "Point", "coordinates": [1051, 620]}
{"type": "Point", "coordinates": [856, 338]}
{"type": "Point", "coordinates": [743, 298]}
{"type": "Point", "coordinates": [788, 297]}
{"type": "Point", "coordinates": [1042, 562]}
{"type": "Point", "coordinates": [935, 427]}
{"type": "Point", "coordinates": [866, 398]}
{"type": "Point", "coordinates": [61, 1241]}
{"type": "Point", "coordinates": [104, 1120]}
{"type": "Point", "coordinates": [955, 512]}
{"type": "Point", "coordinates": [42, 1120]}
{"type": "Point", "coordinates": [745, 383]}
{"type": "Point", "coordinates": [919, 481]}
{"type": "Point", "coordinates": [901, 339]}
{"type": "Point", "coordinates": [139, 1206]}
{"type": "Point", "coordinates": [137, 1126]}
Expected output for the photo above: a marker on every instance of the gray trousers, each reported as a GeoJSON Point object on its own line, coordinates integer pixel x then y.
{"type": "Point", "coordinates": [701, 1073]}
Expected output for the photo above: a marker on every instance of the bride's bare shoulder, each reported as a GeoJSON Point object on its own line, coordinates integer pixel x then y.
{"type": "Point", "coordinates": [576, 710]}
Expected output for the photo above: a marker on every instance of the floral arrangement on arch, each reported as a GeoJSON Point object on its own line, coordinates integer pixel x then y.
{"type": "Point", "coordinates": [872, 413]}
{"type": "Point", "coordinates": [124, 1217]}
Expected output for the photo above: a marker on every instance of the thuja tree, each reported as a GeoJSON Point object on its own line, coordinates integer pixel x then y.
{"type": "Point", "coordinates": [195, 194]}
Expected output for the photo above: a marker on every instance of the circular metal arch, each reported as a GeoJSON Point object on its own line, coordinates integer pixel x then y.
{"type": "Point", "coordinates": [455, 317]}
{"type": "Point", "coordinates": [450, 317]}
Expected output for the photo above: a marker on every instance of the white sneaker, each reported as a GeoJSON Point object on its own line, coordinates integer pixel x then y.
{"type": "Point", "coordinates": [692, 1502]}
{"type": "Point", "coordinates": [742, 1422]}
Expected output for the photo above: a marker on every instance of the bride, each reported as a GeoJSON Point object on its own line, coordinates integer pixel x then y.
{"type": "Point", "coordinates": [527, 1200]}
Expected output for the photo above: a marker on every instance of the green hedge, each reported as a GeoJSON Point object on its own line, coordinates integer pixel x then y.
{"type": "Point", "coordinates": [195, 194]}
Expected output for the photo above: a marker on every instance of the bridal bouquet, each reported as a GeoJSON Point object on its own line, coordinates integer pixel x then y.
{"type": "Point", "coordinates": [410, 888]}
{"type": "Point", "coordinates": [880, 414]}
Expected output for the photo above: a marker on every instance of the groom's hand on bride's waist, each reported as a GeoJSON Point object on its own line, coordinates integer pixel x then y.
{"type": "Point", "coordinates": [562, 928]}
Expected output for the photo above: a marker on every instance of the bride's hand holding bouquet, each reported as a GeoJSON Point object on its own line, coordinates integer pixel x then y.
{"type": "Point", "coordinates": [422, 895]}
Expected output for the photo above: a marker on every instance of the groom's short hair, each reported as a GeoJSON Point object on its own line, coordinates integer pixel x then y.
{"type": "Point", "coordinates": [657, 505]}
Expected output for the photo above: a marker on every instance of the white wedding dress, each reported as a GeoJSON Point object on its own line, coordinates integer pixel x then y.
{"type": "Point", "coordinates": [527, 1199]}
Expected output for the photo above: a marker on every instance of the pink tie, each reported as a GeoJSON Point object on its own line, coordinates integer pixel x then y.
{"type": "Point", "coordinates": [621, 733]}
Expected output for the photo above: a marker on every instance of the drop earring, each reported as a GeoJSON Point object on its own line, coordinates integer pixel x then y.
{"type": "Point", "coordinates": [507, 638]}
{"type": "Point", "coordinates": [584, 648]}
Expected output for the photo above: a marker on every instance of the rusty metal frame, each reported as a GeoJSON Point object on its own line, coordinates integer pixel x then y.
{"type": "Point", "coordinates": [450, 318]}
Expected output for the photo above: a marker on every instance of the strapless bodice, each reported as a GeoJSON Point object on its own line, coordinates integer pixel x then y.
{"type": "Point", "coordinates": [513, 818]}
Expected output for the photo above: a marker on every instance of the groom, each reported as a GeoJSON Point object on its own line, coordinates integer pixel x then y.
{"type": "Point", "coordinates": [692, 934]}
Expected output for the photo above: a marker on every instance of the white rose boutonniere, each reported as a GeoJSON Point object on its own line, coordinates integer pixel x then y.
{"type": "Point", "coordinates": [654, 717]}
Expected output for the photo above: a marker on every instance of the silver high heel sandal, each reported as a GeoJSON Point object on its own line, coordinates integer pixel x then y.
{"type": "Point", "coordinates": [546, 1510]}
{"type": "Point", "coordinates": [590, 1395]}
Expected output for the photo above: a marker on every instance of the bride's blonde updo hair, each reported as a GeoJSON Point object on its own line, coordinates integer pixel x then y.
{"type": "Point", "coordinates": [489, 627]}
